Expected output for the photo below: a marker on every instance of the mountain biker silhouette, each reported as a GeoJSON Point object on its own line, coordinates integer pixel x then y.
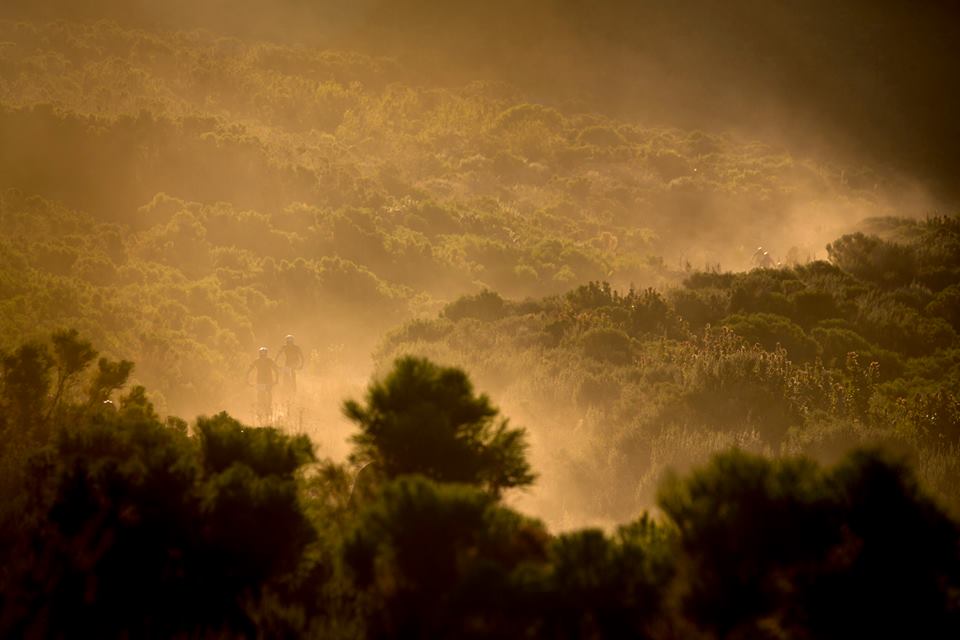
{"type": "Point", "coordinates": [267, 376]}
{"type": "Point", "coordinates": [762, 259]}
{"type": "Point", "coordinates": [293, 360]}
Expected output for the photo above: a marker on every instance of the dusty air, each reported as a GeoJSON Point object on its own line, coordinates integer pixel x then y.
{"type": "Point", "coordinates": [281, 373]}
{"type": "Point", "coordinates": [420, 319]}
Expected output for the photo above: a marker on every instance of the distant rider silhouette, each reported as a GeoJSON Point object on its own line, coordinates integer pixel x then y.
{"type": "Point", "coordinates": [267, 376]}
{"type": "Point", "coordinates": [290, 360]}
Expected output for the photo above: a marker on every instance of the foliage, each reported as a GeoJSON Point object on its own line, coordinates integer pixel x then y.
{"type": "Point", "coordinates": [803, 359]}
{"type": "Point", "coordinates": [873, 259]}
{"type": "Point", "coordinates": [423, 418]}
{"type": "Point", "coordinates": [772, 332]}
{"type": "Point", "coordinates": [441, 561]}
{"type": "Point", "coordinates": [126, 525]}
{"type": "Point", "coordinates": [484, 306]}
{"type": "Point", "coordinates": [610, 586]}
{"type": "Point", "coordinates": [198, 195]}
{"type": "Point", "coordinates": [180, 197]}
{"type": "Point", "coordinates": [781, 545]}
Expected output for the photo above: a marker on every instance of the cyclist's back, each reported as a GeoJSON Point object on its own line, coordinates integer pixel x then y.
{"type": "Point", "coordinates": [267, 372]}
{"type": "Point", "coordinates": [291, 353]}
{"type": "Point", "coordinates": [267, 376]}
{"type": "Point", "coordinates": [265, 369]}
{"type": "Point", "coordinates": [292, 359]}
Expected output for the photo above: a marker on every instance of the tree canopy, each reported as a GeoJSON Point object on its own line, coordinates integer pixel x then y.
{"type": "Point", "coordinates": [117, 522]}
{"type": "Point", "coordinates": [424, 418]}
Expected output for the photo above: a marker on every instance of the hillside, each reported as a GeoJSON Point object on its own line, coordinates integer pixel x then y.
{"type": "Point", "coordinates": [860, 80]}
{"type": "Point", "coordinates": [618, 319]}
{"type": "Point", "coordinates": [618, 387]}
{"type": "Point", "coordinates": [215, 194]}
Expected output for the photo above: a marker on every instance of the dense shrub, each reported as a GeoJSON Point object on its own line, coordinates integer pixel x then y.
{"type": "Point", "coordinates": [485, 306]}
{"type": "Point", "coordinates": [116, 522]}
{"type": "Point", "coordinates": [423, 418]}
{"type": "Point", "coordinates": [773, 331]}
{"type": "Point", "coordinates": [607, 345]}
{"type": "Point", "coordinates": [870, 258]}
{"type": "Point", "coordinates": [699, 307]}
{"type": "Point", "coordinates": [131, 527]}
{"type": "Point", "coordinates": [441, 561]}
{"type": "Point", "coordinates": [813, 552]}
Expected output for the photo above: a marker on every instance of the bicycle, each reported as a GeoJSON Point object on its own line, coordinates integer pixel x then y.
{"type": "Point", "coordinates": [264, 404]}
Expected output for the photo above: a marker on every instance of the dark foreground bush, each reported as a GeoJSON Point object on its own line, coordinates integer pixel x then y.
{"type": "Point", "coordinates": [132, 528]}
{"type": "Point", "coordinates": [784, 548]}
{"type": "Point", "coordinates": [123, 525]}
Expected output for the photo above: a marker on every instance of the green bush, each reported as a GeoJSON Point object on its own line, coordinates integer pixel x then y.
{"type": "Point", "coordinates": [607, 345]}
{"type": "Point", "coordinates": [425, 419]}
{"type": "Point", "coordinates": [870, 258]}
{"type": "Point", "coordinates": [485, 306]}
{"type": "Point", "coordinates": [773, 331]}
{"type": "Point", "coordinates": [133, 528]}
{"type": "Point", "coordinates": [442, 561]}
{"type": "Point", "coordinates": [782, 543]}
{"type": "Point", "coordinates": [699, 307]}
{"type": "Point", "coordinates": [811, 306]}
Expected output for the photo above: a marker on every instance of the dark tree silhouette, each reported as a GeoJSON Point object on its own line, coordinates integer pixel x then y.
{"type": "Point", "coordinates": [424, 418]}
{"type": "Point", "coordinates": [440, 561]}
{"type": "Point", "coordinates": [784, 548]}
{"type": "Point", "coordinates": [608, 586]}
{"type": "Point", "coordinates": [123, 525]}
{"type": "Point", "coordinates": [873, 259]}
{"type": "Point", "coordinates": [117, 523]}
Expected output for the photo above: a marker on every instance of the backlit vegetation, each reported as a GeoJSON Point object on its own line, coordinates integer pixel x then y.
{"type": "Point", "coordinates": [762, 442]}
{"type": "Point", "coordinates": [181, 197]}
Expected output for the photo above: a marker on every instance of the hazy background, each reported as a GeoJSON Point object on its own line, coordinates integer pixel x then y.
{"type": "Point", "coordinates": [870, 80]}
{"type": "Point", "coordinates": [189, 180]}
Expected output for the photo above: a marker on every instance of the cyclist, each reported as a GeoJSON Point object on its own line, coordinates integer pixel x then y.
{"type": "Point", "coordinates": [762, 259]}
{"type": "Point", "coordinates": [267, 376]}
{"type": "Point", "coordinates": [292, 357]}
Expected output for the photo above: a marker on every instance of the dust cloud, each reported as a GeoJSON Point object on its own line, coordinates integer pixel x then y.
{"type": "Point", "coordinates": [334, 170]}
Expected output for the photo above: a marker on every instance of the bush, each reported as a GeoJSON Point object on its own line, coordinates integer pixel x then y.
{"type": "Point", "coordinates": [669, 165]}
{"type": "Point", "coordinates": [946, 305]}
{"type": "Point", "coordinates": [607, 345]}
{"type": "Point", "coordinates": [770, 331]}
{"type": "Point", "coordinates": [609, 587]}
{"type": "Point", "coordinates": [836, 343]}
{"type": "Point", "coordinates": [700, 307]}
{"type": "Point", "coordinates": [856, 550]}
{"type": "Point", "coordinates": [439, 561]}
{"type": "Point", "coordinates": [811, 306]}
{"type": "Point", "coordinates": [600, 136]}
{"type": "Point", "coordinates": [425, 419]}
{"type": "Point", "coordinates": [135, 530]}
{"type": "Point", "coordinates": [870, 258]}
{"type": "Point", "coordinates": [485, 306]}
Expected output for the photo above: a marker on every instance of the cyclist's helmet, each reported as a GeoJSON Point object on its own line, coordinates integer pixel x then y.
{"type": "Point", "coordinates": [263, 351]}
{"type": "Point", "coordinates": [289, 339]}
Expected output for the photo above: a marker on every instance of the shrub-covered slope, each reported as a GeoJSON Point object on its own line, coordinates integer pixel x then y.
{"type": "Point", "coordinates": [619, 385]}
{"type": "Point", "coordinates": [115, 522]}
{"type": "Point", "coordinates": [185, 197]}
